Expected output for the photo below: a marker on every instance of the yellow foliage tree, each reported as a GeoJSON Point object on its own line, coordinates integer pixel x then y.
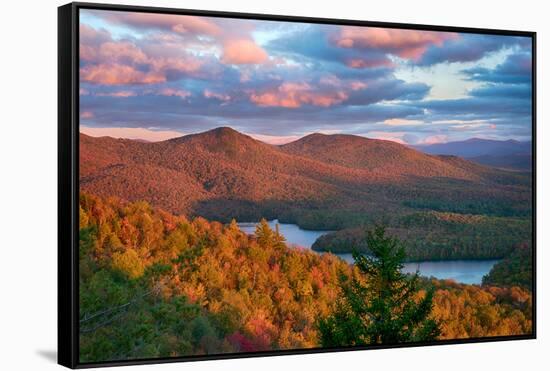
{"type": "Point", "coordinates": [129, 263]}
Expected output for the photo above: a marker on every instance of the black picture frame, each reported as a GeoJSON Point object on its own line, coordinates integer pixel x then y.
{"type": "Point", "coordinates": [68, 178]}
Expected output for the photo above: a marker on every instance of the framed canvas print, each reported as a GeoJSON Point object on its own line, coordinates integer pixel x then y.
{"type": "Point", "coordinates": [236, 185]}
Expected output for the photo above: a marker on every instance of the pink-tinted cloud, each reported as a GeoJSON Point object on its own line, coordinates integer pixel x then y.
{"type": "Point", "coordinates": [122, 62]}
{"type": "Point", "coordinates": [118, 94]}
{"type": "Point", "coordinates": [369, 63]}
{"type": "Point", "coordinates": [275, 139]}
{"type": "Point", "coordinates": [330, 80]}
{"type": "Point", "coordinates": [335, 82]}
{"type": "Point", "coordinates": [219, 96]}
{"type": "Point", "coordinates": [402, 122]}
{"type": "Point", "coordinates": [89, 35]}
{"type": "Point", "coordinates": [384, 135]}
{"type": "Point", "coordinates": [243, 51]}
{"type": "Point", "coordinates": [87, 115]}
{"type": "Point", "coordinates": [121, 51]}
{"type": "Point", "coordinates": [409, 44]}
{"type": "Point", "coordinates": [177, 23]}
{"type": "Point", "coordinates": [237, 46]}
{"type": "Point", "coordinates": [118, 74]}
{"type": "Point", "coordinates": [434, 139]}
{"type": "Point", "coordinates": [170, 92]}
{"type": "Point", "coordinates": [131, 133]}
{"type": "Point", "coordinates": [358, 85]}
{"type": "Point", "coordinates": [294, 95]}
{"type": "Point", "coordinates": [87, 53]}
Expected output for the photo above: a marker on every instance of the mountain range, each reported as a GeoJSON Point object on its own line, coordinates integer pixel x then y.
{"type": "Point", "coordinates": [337, 182]}
{"type": "Point", "coordinates": [190, 173]}
{"type": "Point", "coordinates": [507, 154]}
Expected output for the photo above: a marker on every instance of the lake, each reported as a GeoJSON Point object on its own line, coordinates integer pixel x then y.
{"type": "Point", "coordinates": [464, 271]}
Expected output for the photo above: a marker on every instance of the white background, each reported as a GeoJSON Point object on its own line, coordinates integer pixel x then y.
{"type": "Point", "coordinates": [28, 153]}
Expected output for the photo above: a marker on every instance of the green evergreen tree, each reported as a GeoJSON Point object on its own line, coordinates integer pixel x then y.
{"type": "Point", "coordinates": [383, 306]}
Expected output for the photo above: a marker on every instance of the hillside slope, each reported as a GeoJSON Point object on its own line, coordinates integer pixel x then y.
{"type": "Point", "coordinates": [380, 156]}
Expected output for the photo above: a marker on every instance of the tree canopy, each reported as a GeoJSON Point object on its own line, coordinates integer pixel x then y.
{"type": "Point", "coordinates": [383, 306]}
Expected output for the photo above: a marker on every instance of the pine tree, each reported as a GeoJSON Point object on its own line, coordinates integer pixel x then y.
{"type": "Point", "coordinates": [383, 306]}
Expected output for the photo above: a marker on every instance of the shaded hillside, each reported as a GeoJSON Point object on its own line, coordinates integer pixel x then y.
{"type": "Point", "coordinates": [518, 161]}
{"type": "Point", "coordinates": [436, 235]}
{"type": "Point", "coordinates": [516, 269]}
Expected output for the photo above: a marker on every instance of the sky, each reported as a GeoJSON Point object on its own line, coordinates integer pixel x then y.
{"type": "Point", "coordinates": [158, 76]}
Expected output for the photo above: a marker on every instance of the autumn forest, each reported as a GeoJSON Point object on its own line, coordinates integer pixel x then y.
{"type": "Point", "coordinates": [153, 284]}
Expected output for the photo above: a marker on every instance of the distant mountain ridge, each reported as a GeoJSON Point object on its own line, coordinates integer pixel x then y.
{"type": "Point", "coordinates": [511, 154]}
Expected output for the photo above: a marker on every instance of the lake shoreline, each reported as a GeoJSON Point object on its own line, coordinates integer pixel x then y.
{"type": "Point", "coordinates": [467, 271]}
{"type": "Point", "coordinates": [327, 231]}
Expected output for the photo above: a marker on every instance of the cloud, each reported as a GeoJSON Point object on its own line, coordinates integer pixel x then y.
{"type": "Point", "coordinates": [118, 94]}
{"type": "Point", "coordinates": [90, 39]}
{"type": "Point", "coordinates": [516, 69]}
{"type": "Point", "coordinates": [383, 135]}
{"type": "Point", "coordinates": [119, 52]}
{"type": "Point", "coordinates": [131, 92]}
{"type": "Point", "coordinates": [507, 91]}
{"type": "Point", "coordinates": [108, 62]}
{"type": "Point", "coordinates": [243, 52]}
{"type": "Point", "coordinates": [387, 90]}
{"type": "Point", "coordinates": [369, 62]}
{"type": "Point", "coordinates": [219, 96]}
{"type": "Point", "coordinates": [409, 44]}
{"type": "Point", "coordinates": [86, 114]}
{"type": "Point", "coordinates": [171, 22]}
{"type": "Point", "coordinates": [477, 107]}
{"type": "Point", "coordinates": [118, 74]}
{"type": "Point", "coordinates": [434, 139]}
{"type": "Point", "coordinates": [171, 92]}
{"type": "Point", "coordinates": [294, 95]}
{"type": "Point", "coordinates": [238, 46]}
{"type": "Point", "coordinates": [89, 35]}
{"type": "Point", "coordinates": [318, 43]}
{"type": "Point", "coordinates": [130, 133]}
{"type": "Point", "coordinates": [275, 139]}
{"type": "Point", "coordinates": [358, 85]}
{"type": "Point", "coordinates": [402, 122]}
{"type": "Point", "coordinates": [466, 48]}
